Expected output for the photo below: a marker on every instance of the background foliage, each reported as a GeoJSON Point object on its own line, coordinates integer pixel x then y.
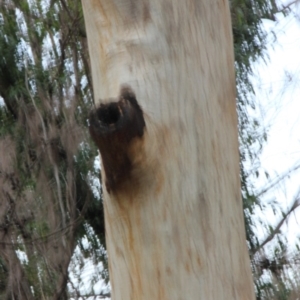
{"type": "Point", "coordinates": [51, 216]}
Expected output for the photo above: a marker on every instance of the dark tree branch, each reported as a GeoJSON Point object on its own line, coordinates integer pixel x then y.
{"type": "Point", "coordinates": [277, 228]}
{"type": "Point", "coordinates": [277, 181]}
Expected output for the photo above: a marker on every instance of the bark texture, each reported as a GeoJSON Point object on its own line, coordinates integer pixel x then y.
{"type": "Point", "coordinates": [174, 223]}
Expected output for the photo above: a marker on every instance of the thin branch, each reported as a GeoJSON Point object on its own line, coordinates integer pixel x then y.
{"type": "Point", "coordinates": [287, 6]}
{"type": "Point", "coordinates": [277, 228]}
{"type": "Point", "coordinates": [276, 181]}
{"type": "Point", "coordinates": [45, 238]}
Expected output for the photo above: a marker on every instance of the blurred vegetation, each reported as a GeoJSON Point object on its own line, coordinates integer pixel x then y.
{"type": "Point", "coordinates": [50, 217]}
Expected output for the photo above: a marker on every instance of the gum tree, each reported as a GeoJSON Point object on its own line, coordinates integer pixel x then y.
{"type": "Point", "coordinates": [166, 127]}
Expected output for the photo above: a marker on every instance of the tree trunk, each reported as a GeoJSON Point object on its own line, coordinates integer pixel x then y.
{"type": "Point", "coordinates": [169, 148]}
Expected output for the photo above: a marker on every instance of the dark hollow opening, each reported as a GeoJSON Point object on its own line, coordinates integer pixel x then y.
{"type": "Point", "coordinates": [109, 113]}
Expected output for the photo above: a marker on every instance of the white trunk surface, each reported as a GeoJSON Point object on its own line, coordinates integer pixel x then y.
{"type": "Point", "coordinates": [175, 229]}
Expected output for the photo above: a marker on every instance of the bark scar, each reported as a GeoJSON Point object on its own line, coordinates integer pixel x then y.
{"type": "Point", "coordinates": [113, 127]}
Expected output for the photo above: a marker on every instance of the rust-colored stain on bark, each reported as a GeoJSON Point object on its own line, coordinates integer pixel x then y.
{"type": "Point", "coordinates": [146, 12]}
{"type": "Point", "coordinates": [114, 128]}
{"type": "Point", "coordinates": [168, 271]}
{"type": "Point", "coordinates": [187, 267]}
{"type": "Point", "coordinates": [199, 261]}
{"type": "Point", "coordinates": [160, 183]}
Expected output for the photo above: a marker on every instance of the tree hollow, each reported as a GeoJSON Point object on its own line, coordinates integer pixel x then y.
{"type": "Point", "coordinates": [114, 126]}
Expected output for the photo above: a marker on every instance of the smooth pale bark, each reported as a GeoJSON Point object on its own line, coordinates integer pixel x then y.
{"type": "Point", "coordinates": [174, 226]}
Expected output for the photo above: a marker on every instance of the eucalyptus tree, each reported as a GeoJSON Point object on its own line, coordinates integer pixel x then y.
{"type": "Point", "coordinates": [166, 128]}
{"type": "Point", "coordinates": [49, 207]}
